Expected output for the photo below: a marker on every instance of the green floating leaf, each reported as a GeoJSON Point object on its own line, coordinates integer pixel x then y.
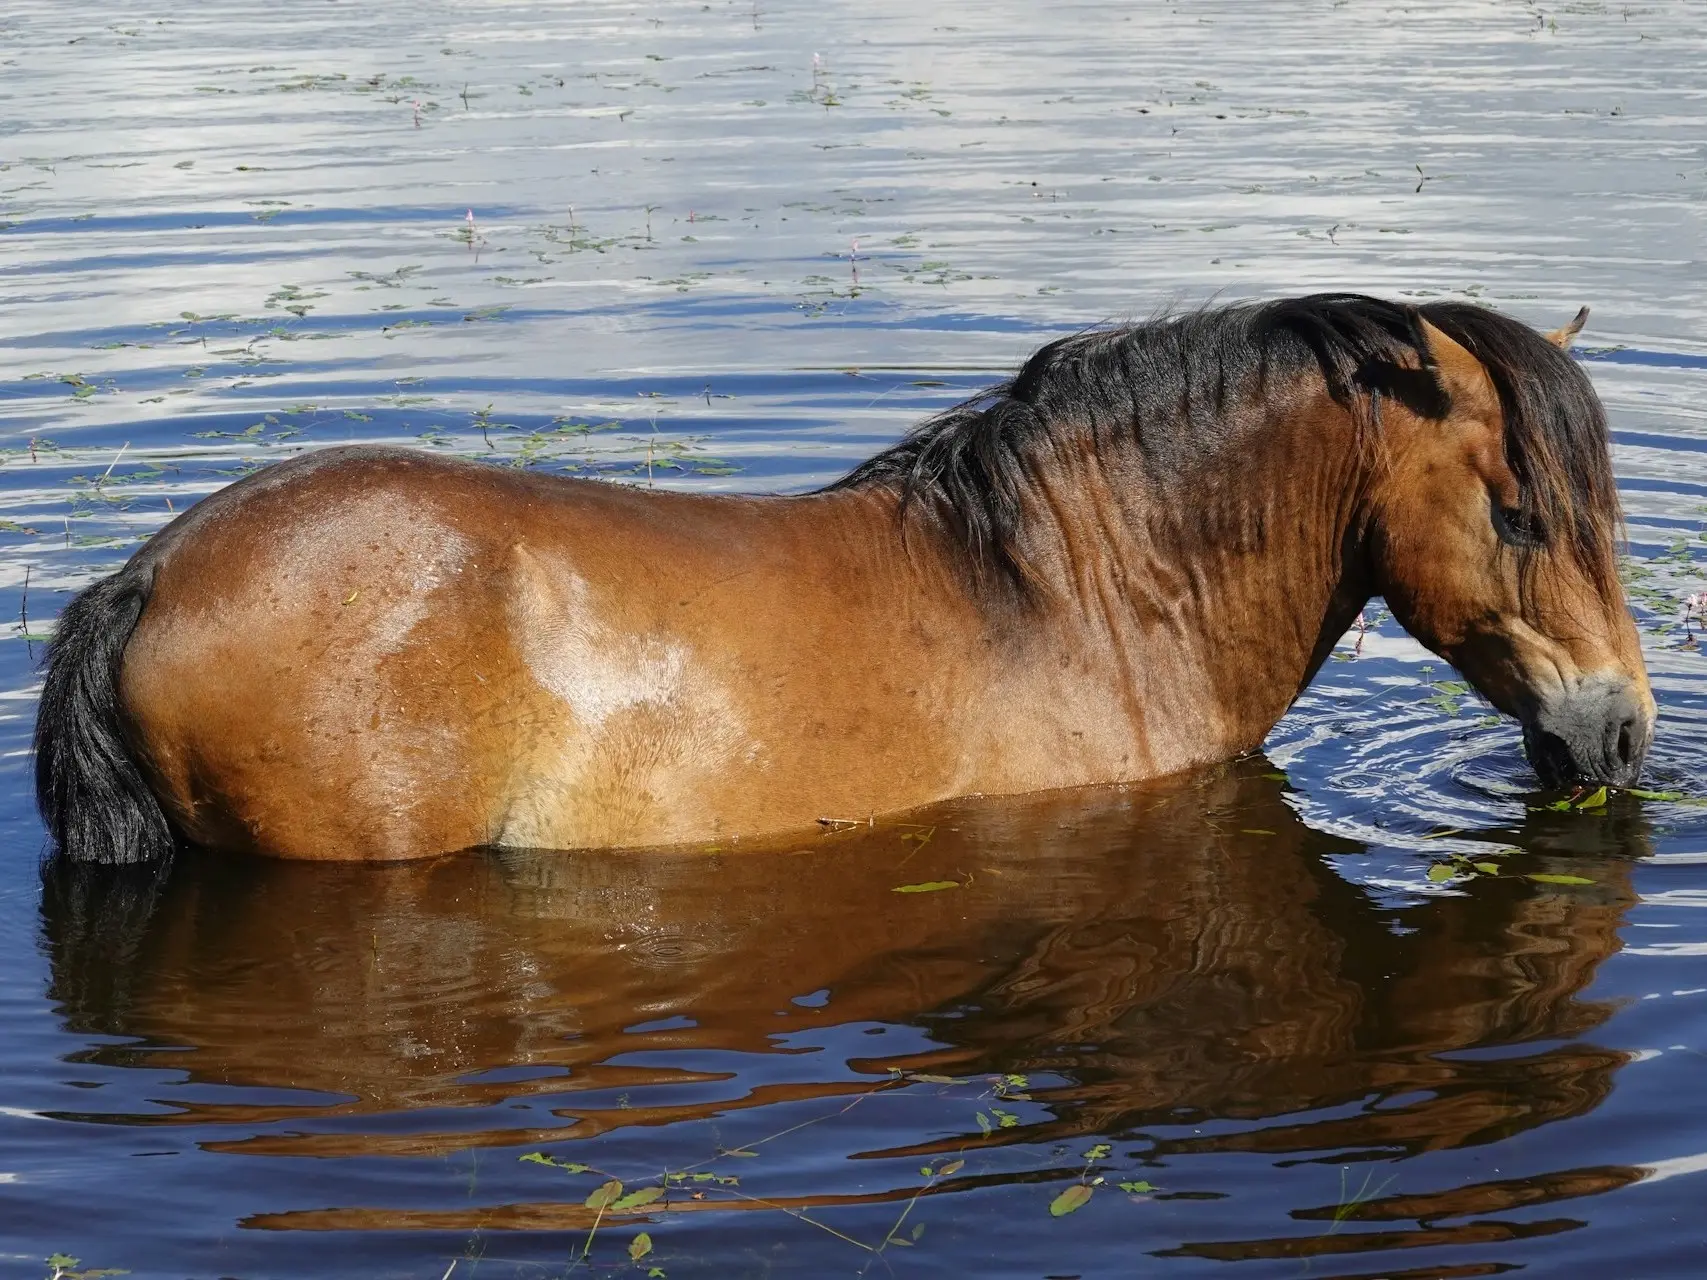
{"type": "Point", "coordinates": [1487, 868]}
{"type": "Point", "coordinates": [568, 1166]}
{"type": "Point", "coordinates": [64, 1269]}
{"type": "Point", "coordinates": [604, 1195]}
{"type": "Point", "coordinates": [637, 1199]}
{"type": "Point", "coordinates": [1653, 795]}
{"type": "Point", "coordinates": [1098, 1152]}
{"type": "Point", "coordinates": [984, 1124]}
{"type": "Point", "coordinates": [1441, 871]}
{"type": "Point", "coordinates": [929, 886]}
{"type": "Point", "coordinates": [639, 1247]}
{"type": "Point", "coordinates": [1137, 1188]}
{"type": "Point", "coordinates": [1595, 799]}
{"type": "Point", "coordinates": [1544, 877]}
{"type": "Point", "coordinates": [1073, 1198]}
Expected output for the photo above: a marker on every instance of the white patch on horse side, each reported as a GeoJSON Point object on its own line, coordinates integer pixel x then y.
{"type": "Point", "coordinates": [644, 722]}
{"type": "Point", "coordinates": [595, 672]}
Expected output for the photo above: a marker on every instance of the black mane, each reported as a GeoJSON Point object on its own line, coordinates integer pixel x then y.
{"type": "Point", "coordinates": [1173, 388]}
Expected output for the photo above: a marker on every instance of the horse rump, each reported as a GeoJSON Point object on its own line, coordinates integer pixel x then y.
{"type": "Point", "coordinates": [97, 805]}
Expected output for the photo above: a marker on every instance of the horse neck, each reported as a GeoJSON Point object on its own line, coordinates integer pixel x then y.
{"type": "Point", "coordinates": [1212, 596]}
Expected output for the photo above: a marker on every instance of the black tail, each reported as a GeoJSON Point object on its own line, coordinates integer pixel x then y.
{"type": "Point", "coordinates": [92, 796]}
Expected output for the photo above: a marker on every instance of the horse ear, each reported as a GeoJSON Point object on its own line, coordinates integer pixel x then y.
{"type": "Point", "coordinates": [1459, 372]}
{"type": "Point", "coordinates": [1469, 387]}
{"type": "Point", "coordinates": [1563, 337]}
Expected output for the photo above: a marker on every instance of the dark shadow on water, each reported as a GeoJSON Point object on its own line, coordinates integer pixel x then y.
{"type": "Point", "coordinates": [1180, 967]}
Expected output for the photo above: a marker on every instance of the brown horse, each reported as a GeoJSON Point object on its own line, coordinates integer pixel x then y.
{"type": "Point", "coordinates": [1126, 561]}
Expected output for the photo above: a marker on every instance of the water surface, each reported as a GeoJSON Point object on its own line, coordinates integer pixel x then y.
{"type": "Point", "coordinates": [739, 246]}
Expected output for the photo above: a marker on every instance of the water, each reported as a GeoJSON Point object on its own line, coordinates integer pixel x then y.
{"type": "Point", "coordinates": [699, 259]}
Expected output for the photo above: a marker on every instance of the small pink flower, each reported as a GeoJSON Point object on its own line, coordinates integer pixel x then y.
{"type": "Point", "coordinates": [1694, 606]}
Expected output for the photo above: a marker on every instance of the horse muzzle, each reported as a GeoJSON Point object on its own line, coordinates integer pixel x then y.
{"type": "Point", "coordinates": [1596, 732]}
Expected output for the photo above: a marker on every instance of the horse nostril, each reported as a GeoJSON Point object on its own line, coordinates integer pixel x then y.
{"type": "Point", "coordinates": [1624, 743]}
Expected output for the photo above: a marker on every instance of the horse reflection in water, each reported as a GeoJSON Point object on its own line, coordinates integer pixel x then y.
{"type": "Point", "coordinates": [1154, 958]}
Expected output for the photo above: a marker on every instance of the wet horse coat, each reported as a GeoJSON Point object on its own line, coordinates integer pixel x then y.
{"type": "Point", "coordinates": [1124, 562]}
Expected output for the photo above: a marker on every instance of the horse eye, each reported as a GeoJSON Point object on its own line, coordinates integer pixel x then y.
{"type": "Point", "coordinates": [1517, 528]}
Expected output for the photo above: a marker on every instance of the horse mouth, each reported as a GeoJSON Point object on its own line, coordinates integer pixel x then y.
{"type": "Point", "coordinates": [1550, 758]}
{"type": "Point", "coordinates": [1612, 759]}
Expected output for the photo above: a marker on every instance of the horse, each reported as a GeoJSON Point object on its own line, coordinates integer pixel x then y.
{"type": "Point", "coordinates": [1124, 562]}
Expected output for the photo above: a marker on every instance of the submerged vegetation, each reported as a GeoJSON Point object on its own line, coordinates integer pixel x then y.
{"type": "Point", "coordinates": [652, 1200]}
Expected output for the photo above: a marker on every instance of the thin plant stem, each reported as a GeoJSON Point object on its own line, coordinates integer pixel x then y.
{"type": "Point", "coordinates": [588, 1246]}
{"type": "Point", "coordinates": [796, 1213]}
{"type": "Point", "coordinates": [24, 615]}
{"type": "Point", "coordinates": [113, 463]}
{"type": "Point", "coordinates": [783, 1133]}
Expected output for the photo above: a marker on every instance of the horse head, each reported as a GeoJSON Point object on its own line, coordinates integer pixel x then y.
{"type": "Point", "coordinates": [1494, 520]}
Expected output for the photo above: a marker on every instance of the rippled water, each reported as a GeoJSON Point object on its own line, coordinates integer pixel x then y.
{"type": "Point", "coordinates": [738, 246]}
